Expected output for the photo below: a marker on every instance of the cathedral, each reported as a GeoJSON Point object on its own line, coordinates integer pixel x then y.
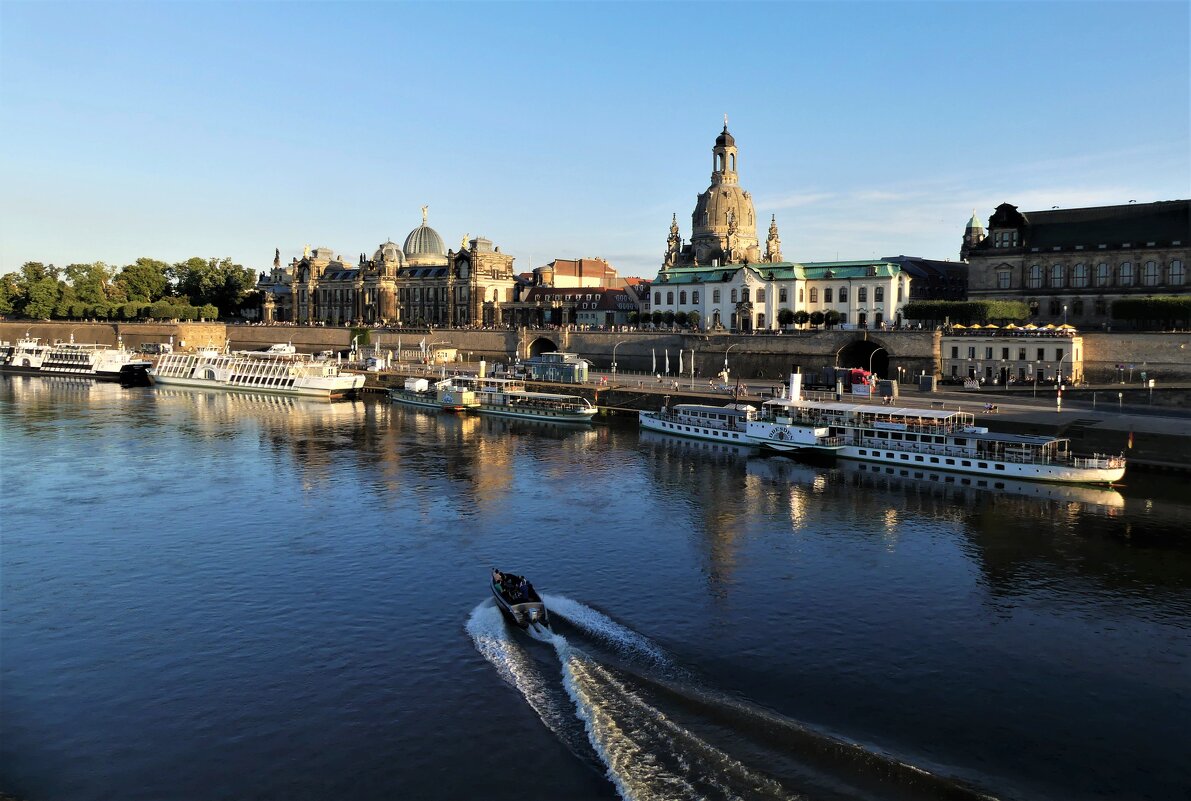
{"type": "Point", "coordinates": [723, 279]}
{"type": "Point", "coordinates": [419, 283]}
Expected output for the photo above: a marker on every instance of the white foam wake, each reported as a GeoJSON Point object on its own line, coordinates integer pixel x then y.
{"type": "Point", "coordinates": [597, 624]}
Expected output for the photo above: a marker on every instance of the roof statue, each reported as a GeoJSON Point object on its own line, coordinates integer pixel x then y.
{"type": "Point", "coordinates": [425, 209]}
{"type": "Point", "coordinates": [306, 251]}
{"type": "Point", "coordinates": [276, 257]}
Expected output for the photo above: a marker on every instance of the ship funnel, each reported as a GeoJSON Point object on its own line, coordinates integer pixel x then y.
{"type": "Point", "coordinates": [795, 386]}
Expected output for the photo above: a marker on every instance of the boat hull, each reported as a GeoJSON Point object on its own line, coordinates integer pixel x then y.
{"type": "Point", "coordinates": [650, 422]}
{"type": "Point", "coordinates": [550, 415]}
{"type": "Point", "coordinates": [522, 614]}
{"type": "Point", "coordinates": [972, 465]}
{"type": "Point", "coordinates": [311, 390]}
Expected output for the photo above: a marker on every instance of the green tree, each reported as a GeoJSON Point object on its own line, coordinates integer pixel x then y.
{"type": "Point", "coordinates": [218, 282]}
{"type": "Point", "coordinates": [657, 317]}
{"type": "Point", "coordinates": [209, 312]}
{"type": "Point", "coordinates": [785, 317]}
{"type": "Point", "coordinates": [145, 280]}
{"type": "Point", "coordinates": [10, 293]}
{"type": "Point", "coordinates": [831, 317]}
{"type": "Point", "coordinates": [801, 317]}
{"type": "Point", "coordinates": [634, 317]}
{"type": "Point", "coordinates": [966, 312]}
{"type": "Point", "coordinates": [693, 319]}
{"type": "Point", "coordinates": [816, 319]}
{"type": "Point", "coordinates": [132, 309]}
{"type": "Point", "coordinates": [668, 317]}
{"type": "Point", "coordinates": [42, 299]}
{"type": "Point", "coordinates": [91, 282]}
{"type": "Point", "coordinates": [681, 318]}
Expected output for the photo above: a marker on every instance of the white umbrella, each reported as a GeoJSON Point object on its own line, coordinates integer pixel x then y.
{"type": "Point", "coordinates": [680, 362]}
{"type": "Point", "coordinates": [667, 361]}
{"type": "Point", "coordinates": [654, 353]}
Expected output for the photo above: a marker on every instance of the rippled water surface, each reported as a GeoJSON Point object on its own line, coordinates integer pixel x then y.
{"type": "Point", "coordinates": [212, 596]}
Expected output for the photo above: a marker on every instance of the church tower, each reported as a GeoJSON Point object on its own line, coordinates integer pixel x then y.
{"type": "Point", "coordinates": [724, 224]}
{"type": "Point", "coordinates": [973, 236]}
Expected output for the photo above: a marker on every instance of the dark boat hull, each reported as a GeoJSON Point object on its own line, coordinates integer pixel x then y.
{"type": "Point", "coordinates": [521, 614]}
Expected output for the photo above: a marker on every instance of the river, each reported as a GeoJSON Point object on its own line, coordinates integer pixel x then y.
{"type": "Point", "coordinates": [220, 596]}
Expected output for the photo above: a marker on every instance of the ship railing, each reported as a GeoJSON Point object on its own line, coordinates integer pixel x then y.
{"type": "Point", "coordinates": [1098, 461]}
{"type": "Point", "coordinates": [722, 425]}
{"type": "Point", "coordinates": [831, 442]}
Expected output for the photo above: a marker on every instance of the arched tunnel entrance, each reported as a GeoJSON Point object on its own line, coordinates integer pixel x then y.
{"type": "Point", "coordinates": [542, 345]}
{"type": "Point", "coordinates": [862, 353]}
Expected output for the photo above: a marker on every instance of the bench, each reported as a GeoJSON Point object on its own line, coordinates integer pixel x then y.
{"type": "Point", "coordinates": [938, 404]}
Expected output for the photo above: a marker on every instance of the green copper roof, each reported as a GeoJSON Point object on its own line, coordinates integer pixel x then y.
{"type": "Point", "coordinates": [782, 271]}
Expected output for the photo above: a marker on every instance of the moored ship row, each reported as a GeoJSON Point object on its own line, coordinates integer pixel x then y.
{"type": "Point", "coordinates": [31, 356]}
{"type": "Point", "coordinates": [925, 438]}
{"type": "Point", "coordinates": [501, 397]}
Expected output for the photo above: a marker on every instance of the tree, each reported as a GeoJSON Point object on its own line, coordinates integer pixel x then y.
{"type": "Point", "coordinates": [801, 317]}
{"type": "Point", "coordinates": [693, 319]}
{"type": "Point", "coordinates": [831, 317]}
{"type": "Point", "coordinates": [10, 293]}
{"type": "Point", "coordinates": [218, 282]}
{"type": "Point", "coordinates": [132, 309]}
{"type": "Point", "coordinates": [209, 312]}
{"type": "Point", "coordinates": [967, 312]}
{"type": "Point", "coordinates": [681, 319]}
{"type": "Point", "coordinates": [657, 318]}
{"type": "Point", "coordinates": [634, 317]}
{"type": "Point", "coordinates": [1151, 312]}
{"type": "Point", "coordinates": [785, 317]}
{"type": "Point", "coordinates": [42, 299]}
{"type": "Point", "coordinates": [91, 282]}
{"type": "Point", "coordinates": [144, 280]}
{"type": "Point", "coordinates": [816, 319]}
{"type": "Point", "coordinates": [668, 317]}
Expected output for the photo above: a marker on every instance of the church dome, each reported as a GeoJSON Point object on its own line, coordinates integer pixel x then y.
{"type": "Point", "coordinates": [725, 139]}
{"type": "Point", "coordinates": [974, 223]}
{"type": "Point", "coordinates": [714, 206]}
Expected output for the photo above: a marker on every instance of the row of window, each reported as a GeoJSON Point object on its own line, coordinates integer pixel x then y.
{"type": "Point", "coordinates": [1083, 275]}
{"type": "Point", "coordinates": [1059, 353]}
{"type": "Point", "coordinates": [783, 297]}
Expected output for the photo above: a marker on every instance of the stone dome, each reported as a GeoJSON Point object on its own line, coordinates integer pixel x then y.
{"type": "Point", "coordinates": [713, 207]}
{"type": "Point", "coordinates": [725, 139]}
{"type": "Point", "coordinates": [389, 252]}
{"type": "Point", "coordinates": [424, 241]}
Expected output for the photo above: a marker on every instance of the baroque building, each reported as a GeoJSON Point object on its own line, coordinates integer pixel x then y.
{"type": "Point", "coordinates": [1069, 265]}
{"type": "Point", "coordinates": [723, 276]}
{"type": "Point", "coordinates": [418, 283]}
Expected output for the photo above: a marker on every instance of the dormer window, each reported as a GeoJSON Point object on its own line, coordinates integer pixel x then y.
{"type": "Point", "coordinates": [1005, 239]}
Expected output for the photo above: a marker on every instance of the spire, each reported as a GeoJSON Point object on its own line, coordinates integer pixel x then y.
{"type": "Point", "coordinates": [773, 244]}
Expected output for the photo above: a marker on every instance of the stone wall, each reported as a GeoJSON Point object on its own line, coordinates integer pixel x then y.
{"type": "Point", "coordinates": [1164, 357]}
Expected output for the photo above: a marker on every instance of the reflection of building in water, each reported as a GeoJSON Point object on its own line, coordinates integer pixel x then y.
{"type": "Point", "coordinates": [705, 480]}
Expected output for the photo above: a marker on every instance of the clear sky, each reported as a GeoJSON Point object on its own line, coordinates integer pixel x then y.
{"type": "Point", "coordinates": [561, 130]}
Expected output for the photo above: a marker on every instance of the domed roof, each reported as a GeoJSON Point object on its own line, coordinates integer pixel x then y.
{"type": "Point", "coordinates": [389, 252]}
{"type": "Point", "coordinates": [424, 241]}
{"type": "Point", "coordinates": [725, 139]}
{"type": "Point", "coordinates": [974, 223]}
{"type": "Point", "coordinates": [717, 202]}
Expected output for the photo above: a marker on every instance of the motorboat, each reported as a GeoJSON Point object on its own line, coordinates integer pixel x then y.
{"type": "Point", "coordinates": [517, 598]}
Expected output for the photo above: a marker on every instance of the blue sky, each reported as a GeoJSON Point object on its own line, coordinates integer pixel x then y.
{"type": "Point", "coordinates": [561, 130]}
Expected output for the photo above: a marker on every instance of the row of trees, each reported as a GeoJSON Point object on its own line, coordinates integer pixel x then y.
{"type": "Point", "coordinates": [785, 317]}
{"type": "Point", "coordinates": [1154, 312]}
{"type": "Point", "coordinates": [190, 290]}
{"type": "Point", "coordinates": [967, 312]}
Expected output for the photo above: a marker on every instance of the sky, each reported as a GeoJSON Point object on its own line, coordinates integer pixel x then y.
{"type": "Point", "coordinates": [566, 130]}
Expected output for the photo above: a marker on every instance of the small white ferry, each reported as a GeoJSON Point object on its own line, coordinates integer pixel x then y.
{"type": "Point", "coordinates": [536, 406]}
{"type": "Point", "coordinates": [278, 372]}
{"type": "Point", "coordinates": [102, 362]}
{"type": "Point", "coordinates": [718, 423]}
{"type": "Point", "coordinates": [442, 395]}
{"type": "Point", "coordinates": [935, 439]}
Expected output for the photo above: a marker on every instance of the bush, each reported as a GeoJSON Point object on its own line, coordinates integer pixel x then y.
{"type": "Point", "coordinates": [967, 312]}
{"type": "Point", "coordinates": [209, 312]}
{"type": "Point", "coordinates": [634, 318]}
{"type": "Point", "coordinates": [1160, 312]}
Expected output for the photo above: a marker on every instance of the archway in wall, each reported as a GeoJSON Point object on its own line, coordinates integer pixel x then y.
{"type": "Point", "coordinates": [542, 345]}
{"type": "Point", "coordinates": [861, 352]}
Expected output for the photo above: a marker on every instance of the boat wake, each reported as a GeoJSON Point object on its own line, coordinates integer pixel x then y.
{"type": "Point", "coordinates": [659, 735]}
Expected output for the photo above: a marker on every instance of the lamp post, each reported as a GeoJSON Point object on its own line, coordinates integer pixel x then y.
{"type": "Point", "coordinates": [899, 373]}
{"type": "Point", "coordinates": [1064, 314]}
{"type": "Point", "coordinates": [870, 358]}
{"type": "Point", "coordinates": [1035, 368]}
{"type": "Point", "coordinates": [737, 344]}
{"type": "Point", "coordinates": [614, 347]}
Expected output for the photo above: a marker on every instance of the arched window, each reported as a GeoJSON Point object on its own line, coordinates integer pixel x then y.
{"type": "Point", "coordinates": [1149, 274]}
{"type": "Point", "coordinates": [1035, 277]}
{"type": "Point", "coordinates": [657, 298]}
{"type": "Point", "coordinates": [733, 295]}
{"type": "Point", "coordinates": [1057, 277]}
{"type": "Point", "coordinates": [719, 162]}
{"type": "Point", "coordinates": [814, 295]}
{"type": "Point", "coordinates": [732, 160]}
{"type": "Point", "coordinates": [801, 294]}
{"type": "Point", "coordinates": [682, 297]}
{"type": "Point", "coordinates": [1103, 274]}
{"type": "Point", "coordinates": [1177, 274]}
{"type": "Point", "coordinates": [1079, 276]}
{"type": "Point", "coordinates": [695, 297]}
{"type": "Point", "coordinates": [1125, 274]}
{"type": "Point", "coordinates": [843, 294]}
{"type": "Point", "coordinates": [670, 298]}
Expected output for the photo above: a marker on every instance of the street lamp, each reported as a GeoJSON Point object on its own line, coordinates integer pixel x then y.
{"type": "Point", "coordinates": [899, 373]}
{"type": "Point", "coordinates": [870, 358]}
{"type": "Point", "coordinates": [1064, 314]}
{"type": "Point", "coordinates": [737, 344]}
{"type": "Point", "coordinates": [614, 347]}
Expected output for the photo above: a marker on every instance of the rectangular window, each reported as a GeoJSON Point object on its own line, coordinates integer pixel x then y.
{"type": "Point", "coordinates": [1041, 356]}
{"type": "Point", "coordinates": [879, 295]}
{"type": "Point", "coordinates": [695, 296]}
{"type": "Point", "coordinates": [734, 296]}
{"type": "Point", "coordinates": [814, 295]}
{"type": "Point", "coordinates": [1003, 279]}
{"type": "Point", "coordinates": [760, 295]}
{"type": "Point", "coordinates": [715, 296]}
{"type": "Point", "coordinates": [1004, 353]}
{"type": "Point", "coordinates": [971, 351]}
{"type": "Point", "coordinates": [827, 295]}
{"type": "Point", "coordinates": [781, 295]}
{"type": "Point", "coordinates": [862, 295]}
{"type": "Point", "coordinates": [955, 351]}
{"type": "Point", "coordinates": [1021, 354]}
{"type": "Point", "coordinates": [988, 353]}
{"type": "Point", "coordinates": [843, 294]}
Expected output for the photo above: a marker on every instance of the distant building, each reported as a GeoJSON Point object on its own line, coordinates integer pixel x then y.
{"type": "Point", "coordinates": [1071, 264]}
{"type": "Point", "coordinates": [1012, 355]}
{"type": "Point", "coordinates": [570, 273]}
{"type": "Point", "coordinates": [597, 307]}
{"type": "Point", "coordinates": [419, 283]}
{"type": "Point", "coordinates": [725, 277]}
{"type": "Point", "coordinates": [933, 280]}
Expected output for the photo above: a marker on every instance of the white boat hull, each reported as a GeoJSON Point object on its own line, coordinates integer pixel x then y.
{"type": "Point", "coordinates": [553, 415]}
{"type": "Point", "coordinates": [974, 465]}
{"type": "Point", "coordinates": [301, 388]}
{"type": "Point", "coordinates": [651, 422]}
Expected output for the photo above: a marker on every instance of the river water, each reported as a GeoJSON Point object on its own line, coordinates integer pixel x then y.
{"type": "Point", "coordinates": [213, 596]}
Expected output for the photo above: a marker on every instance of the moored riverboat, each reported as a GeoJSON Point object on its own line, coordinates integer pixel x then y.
{"type": "Point", "coordinates": [506, 398]}
{"type": "Point", "coordinates": [935, 439]}
{"type": "Point", "coordinates": [272, 372]}
{"type": "Point", "coordinates": [699, 421]}
{"type": "Point", "coordinates": [102, 362]}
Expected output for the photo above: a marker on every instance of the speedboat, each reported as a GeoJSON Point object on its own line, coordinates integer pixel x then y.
{"type": "Point", "coordinates": [517, 598]}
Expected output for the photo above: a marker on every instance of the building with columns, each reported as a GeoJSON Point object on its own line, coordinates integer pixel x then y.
{"type": "Point", "coordinates": [418, 283]}
{"type": "Point", "coordinates": [1069, 265]}
{"type": "Point", "coordinates": [724, 276]}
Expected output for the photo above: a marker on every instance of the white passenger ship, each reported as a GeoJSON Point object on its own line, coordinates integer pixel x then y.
{"type": "Point", "coordinates": [277, 371]}
{"type": "Point", "coordinates": [30, 355]}
{"type": "Point", "coordinates": [536, 406]}
{"type": "Point", "coordinates": [930, 438]}
{"type": "Point", "coordinates": [716, 423]}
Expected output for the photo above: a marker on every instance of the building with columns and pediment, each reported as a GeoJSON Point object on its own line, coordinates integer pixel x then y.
{"type": "Point", "coordinates": [724, 276]}
{"type": "Point", "coordinates": [418, 283]}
